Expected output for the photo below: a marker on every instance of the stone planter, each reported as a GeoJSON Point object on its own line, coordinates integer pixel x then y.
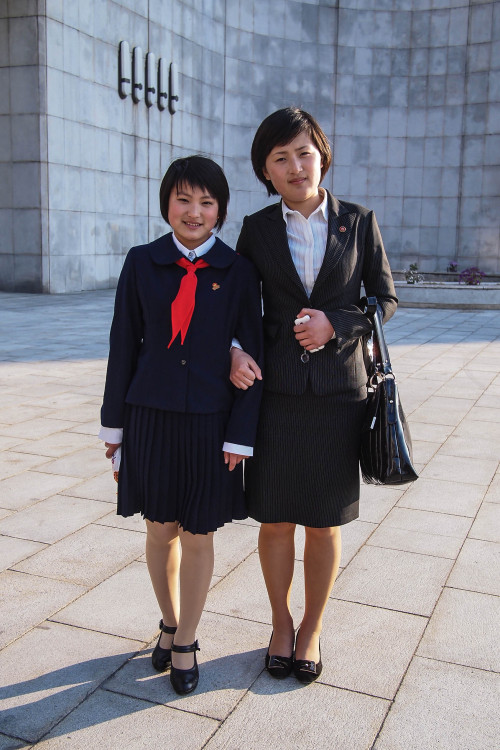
{"type": "Point", "coordinates": [449, 294]}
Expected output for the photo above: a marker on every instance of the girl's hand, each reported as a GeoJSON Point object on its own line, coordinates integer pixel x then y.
{"type": "Point", "coordinates": [232, 459]}
{"type": "Point", "coordinates": [316, 332]}
{"type": "Point", "coordinates": [111, 448]}
{"type": "Point", "coordinates": [244, 369]}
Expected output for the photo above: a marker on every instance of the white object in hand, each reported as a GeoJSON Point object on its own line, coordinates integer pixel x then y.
{"type": "Point", "coordinates": [115, 461]}
{"type": "Point", "coordinates": [304, 319]}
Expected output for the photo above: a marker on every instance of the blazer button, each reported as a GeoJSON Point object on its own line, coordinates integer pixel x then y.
{"type": "Point", "coordinates": [183, 361]}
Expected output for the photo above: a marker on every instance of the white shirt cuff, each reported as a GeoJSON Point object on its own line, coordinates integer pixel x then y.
{"type": "Point", "coordinates": [236, 343]}
{"type": "Point", "coordinates": [241, 450]}
{"type": "Point", "coordinates": [112, 435]}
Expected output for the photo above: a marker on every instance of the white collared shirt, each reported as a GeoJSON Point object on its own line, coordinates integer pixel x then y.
{"type": "Point", "coordinates": [200, 250]}
{"type": "Point", "coordinates": [307, 240]}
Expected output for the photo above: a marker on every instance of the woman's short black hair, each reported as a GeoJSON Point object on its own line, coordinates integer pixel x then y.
{"type": "Point", "coordinates": [280, 128]}
{"type": "Point", "coordinates": [196, 171]}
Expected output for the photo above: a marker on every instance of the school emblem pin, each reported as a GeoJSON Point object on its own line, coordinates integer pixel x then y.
{"type": "Point", "coordinates": [215, 286]}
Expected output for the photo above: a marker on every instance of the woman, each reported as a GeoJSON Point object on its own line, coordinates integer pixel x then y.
{"type": "Point", "coordinates": [179, 302]}
{"type": "Point", "coordinates": [313, 253]}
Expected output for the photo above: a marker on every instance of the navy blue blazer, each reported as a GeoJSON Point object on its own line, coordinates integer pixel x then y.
{"type": "Point", "coordinates": [354, 258]}
{"type": "Point", "coordinates": [193, 377]}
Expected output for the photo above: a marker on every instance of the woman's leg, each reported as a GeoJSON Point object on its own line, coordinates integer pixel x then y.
{"type": "Point", "coordinates": [277, 557]}
{"type": "Point", "coordinates": [321, 563]}
{"type": "Point", "coordinates": [197, 564]}
{"type": "Point", "coordinates": [163, 558]}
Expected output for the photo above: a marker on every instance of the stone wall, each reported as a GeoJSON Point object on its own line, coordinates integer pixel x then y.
{"type": "Point", "coordinates": [407, 90]}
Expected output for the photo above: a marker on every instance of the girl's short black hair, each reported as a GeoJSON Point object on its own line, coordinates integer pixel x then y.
{"type": "Point", "coordinates": [196, 171]}
{"type": "Point", "coordinates": [280, 128]}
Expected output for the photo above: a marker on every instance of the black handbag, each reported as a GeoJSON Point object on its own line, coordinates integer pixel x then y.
{"type": "Point", "coordinates": [386, 452]}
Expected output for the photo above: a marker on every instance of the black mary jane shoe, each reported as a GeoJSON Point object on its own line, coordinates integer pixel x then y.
{"type": "Point", "coordinates": [307, 671]}
{"type": "Point", "coordinates": [278, 667]}
{"type": "Point", "coordinates": [184, 681]}
{"type": "Point", "coordinates": [162, 657]}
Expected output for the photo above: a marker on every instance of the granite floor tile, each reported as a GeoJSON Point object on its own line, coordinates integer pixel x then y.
{"type": "Point", "coordinates": [124, 604]}
{"type": "Point", "coordinates": [443, 705]}
{"type": "Point", "coordinates": [231, 658]}
{"type": "Point", "coordinates": [12, 463]}
{"type": "Point", "coordinates": [471, 471]}
{"type": "Point", "coordinates": [493, 494]}
{"type": "Point", "coordinates": [232, 544]}
{"type": "Point", "coordinates": [472, 447]}
{"type": "Point", "coordinates": [58, 444]}
{"type": "Point", "coordinates": [28, 600]}
{"type": "Point", "coordinates": [52, 519]}
{"type": "Point", "coordinates": [481, 414]}
{"type": "Point", "coordinates": [482, 429]}
{"type": "Point", "coordinates": [376, 501]}
{"type": "Point", "coordinates": [115, 722]}
{"type": "Point", "coordinates": [84, 413]}
{"type": "Point", "coordinates": [10, 442]}
{"type": "Point", "coordinates": [368, 649]}
{"type": "Point", "coordinates": [13, 551]}
{"type": "Point", "coordinates": [432, 433]}
{"type": "Point", "coordinates": [70, 664]}
{"type": "Point", "coordinates": [328, 717]}
{"type": "Point", "coordinates": [423, 451]}
{"type": "Point", "coordinates": [477, 567]}
{"type": "Point", "coordinates": [464, 630]}
{"type": "Point", "coordinates": [132, 523]}
{"type": "Point", "coordinates": [354, 535]}
{"type": "Point", "coordinates": [441, 496]}
{"type": "Point", "coordinates": [440, 410]}
{"type": "Point", "coordinates": [393, 579]}
{"type": "Point", "coordinates": [86, 557]}
{"type": "Point", "coordinates": [101, 487]}
{"type": "Point", "coordinates": [36, 428]}
{"type": "Point", "coordinates": [30, 487]}
{"type": "Point", "coordinates": [85, 463]}
{"type": "Point", "coordinates": [19, 413]}
{"type": "Point", "coordinates": [487, 523]}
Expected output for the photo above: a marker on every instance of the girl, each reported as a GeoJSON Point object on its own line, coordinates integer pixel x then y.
{"type": "Point", "coordinates": [313, 253]}
{"type": "Point", "coordinates": [168, 400]}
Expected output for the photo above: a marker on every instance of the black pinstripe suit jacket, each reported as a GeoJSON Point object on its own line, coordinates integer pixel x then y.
{"type": "Point", "coordinates": [354, 256]}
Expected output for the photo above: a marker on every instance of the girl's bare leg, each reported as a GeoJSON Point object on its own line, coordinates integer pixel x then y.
{"type": "Point", "coordinates": [163, 558]}
{"type": "Point", "coordinates": [196, 570]}
{"type": "Point", "coordinates": [321, 563]}
{"type": "Point", "coordinates": [277, 557]}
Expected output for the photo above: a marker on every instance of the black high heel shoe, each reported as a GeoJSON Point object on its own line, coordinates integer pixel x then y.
{"type": "Point", "coordinates": [305, 670]}
{"type": "Point", "coordinates": [162, 657]}
{"type": "Point", "coordinates": [278, 667]}
{"type": "Point", "coordinates": [185, 680]}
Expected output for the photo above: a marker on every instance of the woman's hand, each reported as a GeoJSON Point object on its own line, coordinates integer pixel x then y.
{"type": "Point", "coordinates": [315, 332]}
{"type": "Point", "coordinates": [244, 369]}
{"type": "Point", "coordinates": [111, 448]}
{"type": "Point", "coordinates": [232, 459]}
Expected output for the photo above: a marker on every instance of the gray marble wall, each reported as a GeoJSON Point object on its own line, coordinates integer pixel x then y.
{"type": "Point", "coordinates": [407, 90]}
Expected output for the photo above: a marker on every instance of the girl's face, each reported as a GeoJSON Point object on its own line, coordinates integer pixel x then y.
{"type": "Point", "coordinates": [192, 214]}
{"type": "Point", "coordinates": [295, 171]}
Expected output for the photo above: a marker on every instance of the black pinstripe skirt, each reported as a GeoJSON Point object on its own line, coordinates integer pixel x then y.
{"type": "Point", "coordinates": [172, 469]}
{"type": "Point", "coordinates": [305, 468]}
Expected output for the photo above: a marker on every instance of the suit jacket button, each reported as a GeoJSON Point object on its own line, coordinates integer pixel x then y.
{"type": "Point", "coordinates": [183, 361]}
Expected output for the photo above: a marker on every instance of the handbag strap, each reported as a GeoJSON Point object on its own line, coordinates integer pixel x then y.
{"type": "Point", "coordinates": [374, 312]}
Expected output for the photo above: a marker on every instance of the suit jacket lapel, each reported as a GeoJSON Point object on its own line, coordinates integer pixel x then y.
{"type": "Point", "coordinates": [340, 225]}
{"type": "Point", "coordinates": [278, 245]}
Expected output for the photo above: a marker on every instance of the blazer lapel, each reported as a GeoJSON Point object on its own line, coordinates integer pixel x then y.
{"type": "Point", "coordinates": [340, 225]}
{"type": "Point", "coordinates": [277, 240]}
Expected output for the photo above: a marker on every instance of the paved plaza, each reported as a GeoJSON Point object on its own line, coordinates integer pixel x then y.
{"type": "Point", "coordinates": [410, 644]}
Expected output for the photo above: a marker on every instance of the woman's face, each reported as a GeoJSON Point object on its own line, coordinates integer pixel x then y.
{"type": "Point", "coordinates": [192, 214]}
{"type": "Point", "coordinates": [295, 171]}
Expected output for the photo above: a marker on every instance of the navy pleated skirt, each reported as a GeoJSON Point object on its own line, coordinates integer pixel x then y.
{"type": "Point", "coordinates": [172, 470]}
{"type": "Point", "coordinates": [305, 468]}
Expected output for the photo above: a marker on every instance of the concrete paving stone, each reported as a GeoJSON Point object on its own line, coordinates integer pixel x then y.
{"type": "Point", "coordinates": [132, 523]}
{"type": "Point", "coordinates": [464, 630]}
{"type": "Point", "coordinates": [5, 513]}
{"type": "Point", "coordinates": [423, 451]}
{"type": "Point", "coordinates": [450, 497]}
{"type": "Point", "coordinates": [27, 600]}
{"type": "Point", "coordinates": [480, 414]}
{"type": "Point", "coordinates": [476, 428]}
{"type": "Point", "coordinates": [376, 502]}
{"type": "Point", "coordinates": [432, 433]}
{"type": "Point", "coordinates": [124, 604]}
{"type": "Point", "coordinates": [30, 487]}
{"type": "Point", "coordinates": [12, 463]}
{"type": "Point", "coordinates": [487, 523]}
{"type": "Point", "coordinates": [231, 658]}
{"type": "Point", "coordinates": [57, 445]}
{"type": "Point", "coordinates": [472, 471]}
{"type": "Point", "coordinates": [243, 594]}
{"type": "Point", "coordinates": [70, 664]}
{"type": "Point", "coordinates": [87, 428]}
{"type": "Point", "coordinates": [472, 447]}
{"type": "Point", "coordinates": [488, 401]}
{"type": "Point", "coordinates": [441, 410]}
{"type": "Point", "coordinates": [36, 428]}
{"type": "Point", "coordinates": [493, 494]}
{"type": "Point", "coordinates": [421, 543]}
{"type": "Point", "coordinates": [111, 721]}
{"type": "Point", "coordinates": [443, 706]}
{"type": "Point", "coordinates": [10, 743]}
{"type": "Point", "coordinates": [393, 579]}
{"type": "Point", "coordinates": [10, 442]}
{"type": "Point", "coordinates": [85, 463]}
{"type": "Point", "coordinates": [477, 567]}
{"type": "Point", "coordinates": [65, 400]}
{"type": "Point", "coordinates": [13, 551]}
{"type": "Point", "coordinates": [327, 717]}
{"type": "Point", "coordinates": [368, 649]}
{"type": "Point", "coordinates": [86, 557]}
{"type": "Point", "coordinates": [52, 519]}
{"type": "Point", "coordinates": [466, 384]}
{"type": "Point", "coordinates": [354, 535]}
{"type": "Point", "coordinates": [15, 414]}
{"type": "Point", "coordinates": [101, 487]}
{"type": "Point", "coordinates": [232, 544]}
{"type": "Point", "coordinates": [83, 413]}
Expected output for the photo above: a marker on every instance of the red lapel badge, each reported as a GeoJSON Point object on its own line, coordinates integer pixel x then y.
{"type": "Point", "coordinates": [342, 229]}
{"type": "Point", "coordinates": [215, 286]}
